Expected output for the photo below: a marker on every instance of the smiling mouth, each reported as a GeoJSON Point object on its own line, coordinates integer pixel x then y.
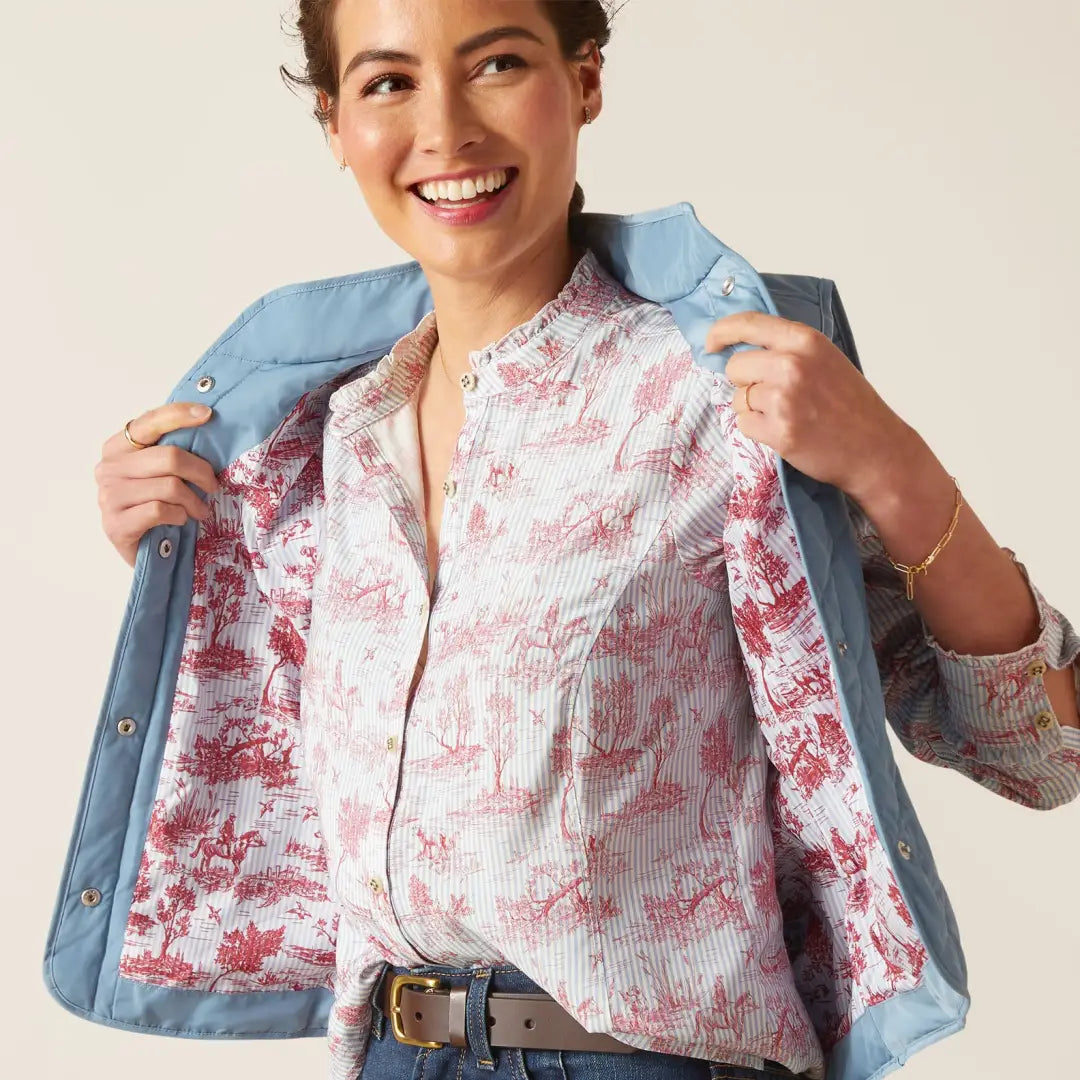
{"type": "Point", "coordinates": [453, 193]}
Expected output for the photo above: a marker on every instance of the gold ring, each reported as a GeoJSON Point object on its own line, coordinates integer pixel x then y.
{"type": "Point", "coordinates": [127, 435]}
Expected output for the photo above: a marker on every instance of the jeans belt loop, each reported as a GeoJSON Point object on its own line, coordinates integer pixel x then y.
{"type": "Point", "coordinates": [378, 1017]}
{"type": "Point", "coordinates": [476, 1018]}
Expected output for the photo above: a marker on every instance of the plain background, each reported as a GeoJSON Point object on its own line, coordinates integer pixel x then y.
{"type": "Point", "coordinates": [156, 176]}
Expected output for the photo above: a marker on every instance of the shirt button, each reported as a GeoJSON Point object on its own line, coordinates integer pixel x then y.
{"type": "Point", "coordinates": [1044, 720]}
{"type": "Point", "coordinates": [391, 742]}
{"type": "Point", "coordinates": [375, 885]}
{"type": "Point", "coordinates": [468, 381]}
{"type": "Point", "coordinates": [449, 488]}
{"type": "Point", "coordinates": [904, 848]}
{"type": "Point", "coordinates": [1036, 668]}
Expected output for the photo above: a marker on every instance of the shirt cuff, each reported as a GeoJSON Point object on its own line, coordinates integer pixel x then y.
{"type": "Point", "coordinates": [999, 701]}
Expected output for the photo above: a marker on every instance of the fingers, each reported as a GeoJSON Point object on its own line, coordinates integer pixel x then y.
{"type": "Point", "coordinates": [127, 528]}
{"type": "Point", "coordinates": [159, 421]}
{"type": "Point", "coordinates": [115, 499]}
{"type": "Point", "coordinates": [163, 461]}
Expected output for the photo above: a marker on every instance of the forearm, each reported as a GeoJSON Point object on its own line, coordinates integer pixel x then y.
{"type": "Point", "coordinates": [973, 598]}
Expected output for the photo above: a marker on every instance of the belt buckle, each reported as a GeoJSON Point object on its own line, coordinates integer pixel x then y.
{"type": "Point", "coordinates": [397, 984]}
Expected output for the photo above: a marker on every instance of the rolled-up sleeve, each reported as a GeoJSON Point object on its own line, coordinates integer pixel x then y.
{"type": "Point", "coordinates": [989, 717]}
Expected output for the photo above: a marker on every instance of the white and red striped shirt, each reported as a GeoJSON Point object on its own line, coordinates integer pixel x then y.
{"type": "Point", "coordinates": [579, 786]}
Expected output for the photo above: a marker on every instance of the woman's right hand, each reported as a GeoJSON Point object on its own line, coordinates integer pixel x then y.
{"type": "Point", "coordinates": [138, 489]}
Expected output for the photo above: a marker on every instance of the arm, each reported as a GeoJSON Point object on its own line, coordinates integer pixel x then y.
{"type": "Point", "coordinates": [979, 669]}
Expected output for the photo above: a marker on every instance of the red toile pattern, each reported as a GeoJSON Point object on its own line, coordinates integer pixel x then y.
{"type": "Point", "coordinates": [623, 768]}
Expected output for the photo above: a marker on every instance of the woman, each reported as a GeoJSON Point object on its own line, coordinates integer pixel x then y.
{"type": "Point", "coordinates": [523, 582]}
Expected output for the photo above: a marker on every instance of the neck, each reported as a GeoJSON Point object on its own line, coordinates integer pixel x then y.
{"type": "Point", "coordinates": [473, 313]}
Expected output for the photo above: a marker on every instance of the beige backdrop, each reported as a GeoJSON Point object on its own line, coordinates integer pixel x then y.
{"type": "Point", "coordinates": [157, 176]}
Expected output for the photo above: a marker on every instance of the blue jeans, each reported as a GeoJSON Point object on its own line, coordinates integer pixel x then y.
{"type": "Point", "coordinates": [388, 1059]}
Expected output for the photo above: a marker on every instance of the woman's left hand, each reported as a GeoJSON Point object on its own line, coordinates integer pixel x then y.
{"type": "Point", "coordinates": [808, 401]}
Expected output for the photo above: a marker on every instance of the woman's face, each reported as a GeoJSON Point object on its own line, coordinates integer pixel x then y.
{"type": "Point", "coordinates": [463, 99]}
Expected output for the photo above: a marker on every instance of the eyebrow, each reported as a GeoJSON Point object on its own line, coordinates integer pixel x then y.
{"type": "Point", "coordinates": [477, 41]}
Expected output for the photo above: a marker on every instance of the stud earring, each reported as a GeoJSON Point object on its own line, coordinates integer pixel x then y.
{"type": "Point", "coordinates": [342, 166]}
{"type": "Point", "coordinates": [588, 115]}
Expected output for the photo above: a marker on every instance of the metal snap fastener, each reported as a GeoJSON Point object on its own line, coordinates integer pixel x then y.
{"type": "Point", "coordinates": [904, 848]}
{"type": "Point", "coordinates": [841, 647]}
{"type": "Point", "coordinates": [727, 285]}
{"type": "Point", "coordinates": [90, 897]}
{"type": "Point", "coordinates": [165, 548]}
{"type": "Point", "coordinates": [468, 381]}
{"type": "Point", "coordinates": [1036, 668]}
{"type": "Point", "coordinates": [449, 489]}
{"type": "Point", "coordinates": [204, 384]}
{"type": "Point", "coordinates": [1045, 720]}
{"type": "Point", "coordinates": [126, 726]}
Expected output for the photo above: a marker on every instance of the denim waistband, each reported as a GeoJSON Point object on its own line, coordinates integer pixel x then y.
{"type": "Point", "coordinates": [481, 979]}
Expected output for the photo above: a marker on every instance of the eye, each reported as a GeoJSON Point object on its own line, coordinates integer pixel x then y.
{"type": "Point", "coordinates": [515, 61]}
{"type": "Point", "coordinates": [370, 89]}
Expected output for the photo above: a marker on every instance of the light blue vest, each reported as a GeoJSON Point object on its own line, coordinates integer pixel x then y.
{"type": "Point", "coordinates": [301, 336]}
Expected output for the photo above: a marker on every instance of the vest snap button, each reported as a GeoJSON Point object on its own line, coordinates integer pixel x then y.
{"type": "Point", "coordinates": [165, 548]}
{"type": "Point", "coordinates": [90, 897]}
{"type": "Point", "coordinates": [904, 849]}
{"type": "Point", "coordinates": [126, 726]}
{"type": "Point", "coordinates": [204, 384]}
{"type": "Point", "coordinates": [727, 285]}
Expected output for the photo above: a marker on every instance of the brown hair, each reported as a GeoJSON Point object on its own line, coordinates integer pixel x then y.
{"type": "Point", "coordinates": [576, 22]}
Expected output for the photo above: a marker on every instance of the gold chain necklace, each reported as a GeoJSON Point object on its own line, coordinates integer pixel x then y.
{"type": "Point", "coordinates": [438, 345]}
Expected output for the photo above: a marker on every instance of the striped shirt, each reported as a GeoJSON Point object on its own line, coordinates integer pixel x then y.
{"type": "Point", "coordinates": [578, 785]}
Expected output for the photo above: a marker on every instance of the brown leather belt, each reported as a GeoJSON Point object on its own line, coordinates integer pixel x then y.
{"type": "Point", "coordinates": [423, 1012]}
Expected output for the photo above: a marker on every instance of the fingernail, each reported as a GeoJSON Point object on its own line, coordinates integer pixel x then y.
{"type": "Point", "coordinates": [199, 411]}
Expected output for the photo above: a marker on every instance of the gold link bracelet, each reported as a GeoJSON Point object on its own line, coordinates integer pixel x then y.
{"type": "Point", "coordinates": [911, 571]}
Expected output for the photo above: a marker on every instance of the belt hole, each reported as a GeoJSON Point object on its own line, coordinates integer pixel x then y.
{"type": "Point", "coordinates": [530, 1023]}
{"type": "Point", "coordinates": [419, 1016]}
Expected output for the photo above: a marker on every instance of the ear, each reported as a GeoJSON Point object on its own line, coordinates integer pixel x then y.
{"type": "Point", "coordinates": [331, 124]}
{"type": "Point", "coordinates": [588, 72]}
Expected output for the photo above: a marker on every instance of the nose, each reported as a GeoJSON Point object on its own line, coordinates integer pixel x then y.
{"type": "Point", "coordinates": [447, 123]}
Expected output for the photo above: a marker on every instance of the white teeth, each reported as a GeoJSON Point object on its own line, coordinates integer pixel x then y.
{"type": "Point", "coordinates": [463, 190]}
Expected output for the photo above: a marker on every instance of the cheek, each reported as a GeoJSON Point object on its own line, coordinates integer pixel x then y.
{"type": "Point", "coordinates": [373, 148]}
{"type": "Point", "coordinates": [545, 119]}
